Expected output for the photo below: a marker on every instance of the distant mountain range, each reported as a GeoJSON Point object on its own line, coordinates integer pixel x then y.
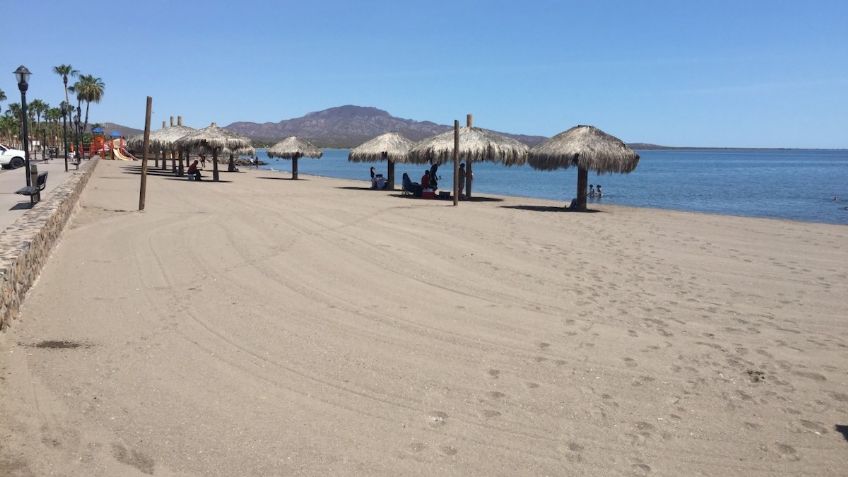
{"type": "Point", "coordinates": [348, 126]}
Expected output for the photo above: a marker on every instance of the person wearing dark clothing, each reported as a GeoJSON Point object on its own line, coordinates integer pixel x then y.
{"type": "Point", "coordinates": [193, 171]}
{"type": "Point", "coordinates": [461, 179]}
{"type": "Point", "coordinates": [413, 187]}
{"type": "Point", "coordinates": [425, 180]}
{"type": "Point", "coordinates": [434, 184]}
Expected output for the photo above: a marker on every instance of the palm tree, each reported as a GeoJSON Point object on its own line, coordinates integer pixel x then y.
{"type": "Point", "coordinates": [38, 107]}
{"type": "Point", "coordinates": [93, 89]}
{"type": "Point", "coordinates": [14, 112]}
{"type": "Point", "coordinates": [53, 115]}
{"type": "Point", "coordinates": [2, 97]}
{"type": "Point", "coordinates": [65, 71]}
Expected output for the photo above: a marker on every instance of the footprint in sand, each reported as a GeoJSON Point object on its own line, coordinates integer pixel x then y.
{"type": "Point", "coordinates": [787, 452]}
{"type": "Point", "coordinates": [810, 375]}
{"type": "Point", "coordinates": [816, 427]}
{"type": "Point", "coordinates": [488, 413]}
{"type": "Point", "coordinates": [532, 385]}
{"type": "Point", "coordinates": [494, 373]}
{"type": "Point", "coordinates": [417, 446]}
{"type": "Point", "coordinates": [630, 362]}
{"type": "Point", "coordinates": [543, 345]}
{"type": "Point", "coordinates": [437, 418]}
{"type": "Point", "coordinates": [448, 450]}
{"type": "Point", "coordinates": [495, 394]}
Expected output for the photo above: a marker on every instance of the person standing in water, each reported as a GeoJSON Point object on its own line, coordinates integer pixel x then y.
{"type": "Point", "coordinates": [600, 194]}
{"type": "Point", "coordinates": [592, 191]}
{"type": "Point", "coordinates": [461, 179]}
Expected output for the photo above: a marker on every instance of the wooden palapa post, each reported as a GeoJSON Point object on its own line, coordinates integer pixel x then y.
{"type": "Point", "coordinates": [143, 190]}
{"type": "Point", "coordinates": [294, 165]}
{"type": "Point", "coordinates": [390, 172]}
{"type": "Point", "coordinates": [469, 121]}
{"type": "Point", "coordinates": [455, 162]}
{"type": "Point", "coordinates": [582, 180]}
{"type": "Point", "coordinates": [180, 171]}
{"type": "Point", "coordinates": [215, 164]}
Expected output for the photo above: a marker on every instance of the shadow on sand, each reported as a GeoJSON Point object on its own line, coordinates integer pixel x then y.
{"type": "Point", "coordinates": [22, 206]}
{"type": "Point", "coordinates": [282, 179]}
{"type": "Point", "coordinates": [361, 188]}
{"type": "Point", "coordinates": [549, 208]}
{"type": "Point", "coordinates": [450, 199]}
{"type": "Point", "coordinates": [842, 429]}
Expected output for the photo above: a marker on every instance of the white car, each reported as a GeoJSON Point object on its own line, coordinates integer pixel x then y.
{"type": "Point", "coordinates": [11, 158]}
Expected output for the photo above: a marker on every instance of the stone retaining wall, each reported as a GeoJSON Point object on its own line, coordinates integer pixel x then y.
{"type": "Point", "coordinates": [25, 245]}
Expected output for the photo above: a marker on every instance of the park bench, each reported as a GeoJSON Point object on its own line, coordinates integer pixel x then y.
{"type": "Point", "coordinates": [38, 181]}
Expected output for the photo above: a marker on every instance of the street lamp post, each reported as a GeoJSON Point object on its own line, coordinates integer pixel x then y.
{"type": "Point", "coordinates": [65, 131]}
{"type": "Point", "coordinates": [80, 150]}
{"type": "Point", "coordinates": [22, 75]}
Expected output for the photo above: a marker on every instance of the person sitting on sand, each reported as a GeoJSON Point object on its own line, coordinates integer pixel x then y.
{"type": "Point", "coordinates": [193, 171]}
{"type": "Point", "coordinates": [412, 187]}
{"type": "Point", "coordinates": [591, 191]}
{"type": "Point", "coordinates": [425, 180]}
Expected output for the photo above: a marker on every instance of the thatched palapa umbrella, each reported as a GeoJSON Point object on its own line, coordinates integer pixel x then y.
{"type": "Point", "coordinates": [215, 139]}
{"type": "Point", "coordinates": [475, 144]}
{"type": "Point", "coordinates": [166, 139]}
{"type": "Point", "coordinates": [391, 147]}
{"type": "Point", "coordinates": [587, 148]}
{"type": "Point", "coordinates": [137, 142]}
{"type": "Point", "coordinates": [294, 148]}
{"type": "Point", "coordinates": [242, 151]}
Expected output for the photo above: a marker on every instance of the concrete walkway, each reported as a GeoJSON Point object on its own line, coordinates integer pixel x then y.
{"type": "Point", "coordinates": [13, 205]}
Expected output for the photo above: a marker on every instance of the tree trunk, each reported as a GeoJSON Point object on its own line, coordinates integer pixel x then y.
{"type": "Point", "coordinates": [294, 168]}
{"type": "Point", "coordinates": [85, 124]}
{"type": "Point", "coordinates": [181, 171]}
{"type": "Point", "coordinates": [582, 181]}
{"type": "Point", "coordinates": [215, 164]}
{"type": "Point", "coordinates": [391, 174]}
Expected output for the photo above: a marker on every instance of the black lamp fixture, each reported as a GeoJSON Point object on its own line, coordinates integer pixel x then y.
{"type": "Point", "coordinates": [22, 75]}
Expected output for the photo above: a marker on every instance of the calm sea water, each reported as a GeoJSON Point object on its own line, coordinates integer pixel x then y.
{"type": "Point", "coordinates": [789, 184]}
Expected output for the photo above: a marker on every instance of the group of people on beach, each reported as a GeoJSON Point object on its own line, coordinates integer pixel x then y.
{"type": "Point", "coordinates": [595, 193]}
{"type": "Point", "coordinates": [429, 181]}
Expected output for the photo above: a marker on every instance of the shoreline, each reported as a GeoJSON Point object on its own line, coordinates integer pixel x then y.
{"type": "Point", "coordinates": [590, 204]}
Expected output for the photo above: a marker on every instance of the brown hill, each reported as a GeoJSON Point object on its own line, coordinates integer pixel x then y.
{"type": "Point", "coordinates": [347, 126]}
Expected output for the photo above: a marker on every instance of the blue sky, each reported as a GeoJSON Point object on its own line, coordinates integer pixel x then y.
{"type": "Point", "coordinates": [712, 73]}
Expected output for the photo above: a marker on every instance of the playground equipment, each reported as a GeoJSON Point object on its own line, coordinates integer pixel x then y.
{"type": "Point", "coordinates": [113, 148]}
{"type": "Point", "coordinates": [120, 150]}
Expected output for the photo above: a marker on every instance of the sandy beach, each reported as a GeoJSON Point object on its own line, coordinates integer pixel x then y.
{"type": "Point", "coordinates": [264, 326]}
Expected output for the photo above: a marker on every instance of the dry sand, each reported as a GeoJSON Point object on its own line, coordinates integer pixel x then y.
{"type": "Point", "coordinates": [272, 327]}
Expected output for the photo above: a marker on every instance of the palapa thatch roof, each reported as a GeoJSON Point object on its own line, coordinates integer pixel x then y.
{"type": "Point", "coordinates": [587, 147]}
{"type": "Point", "coordinates": [166, 138]}
{"type": "Point", "coordinates": [136, 142]}
{"type": "Point", "coordinates": [292, 146]}
{"type": "Point", "coordinates": [241, 151]}
{"type": "Point", "coordinates": [212, 137]}
{"type": "Point", "coordinates": [475, 144]}
{"type": "Point", "coordinates": [389, 146]}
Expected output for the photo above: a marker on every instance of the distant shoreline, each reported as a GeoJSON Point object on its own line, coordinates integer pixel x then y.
{"type": "Point", "coordinates": [654, 147]}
